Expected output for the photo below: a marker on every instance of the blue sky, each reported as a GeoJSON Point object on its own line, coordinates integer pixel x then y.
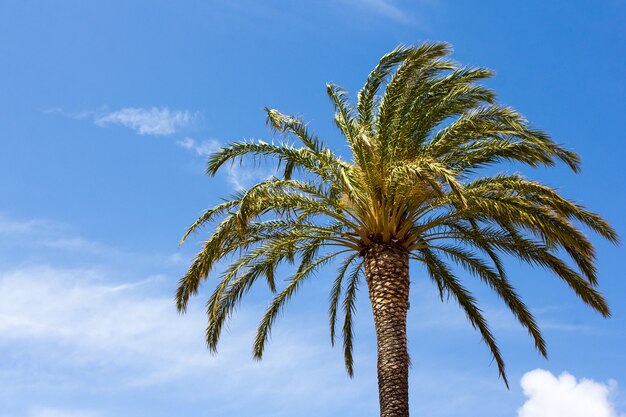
{"type": "Point", "coordinates": [107, 111]}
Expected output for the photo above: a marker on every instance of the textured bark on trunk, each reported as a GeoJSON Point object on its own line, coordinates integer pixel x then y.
{"type": "Point", "coordinates": [387, 275]}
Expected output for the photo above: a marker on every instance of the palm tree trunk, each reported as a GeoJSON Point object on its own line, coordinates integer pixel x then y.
{"type": "Point", "coordinates": [387, 275]}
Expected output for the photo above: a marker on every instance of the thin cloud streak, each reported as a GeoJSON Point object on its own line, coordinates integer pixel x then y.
{"type": "Point", "coordinates": [32, 239]}
{"type": "Point", "coordinates": [57, 412]}
{"type": "Point", "coordinates": [9, 226]}
{"type": "Point", "coordinates": [239, 175]}
{"type": "Point", "coordinates": [384, 8]}
{"type": "Point", "coordinates": [153, 121]}
{"type": "Point", "coordinates": [203, 148]}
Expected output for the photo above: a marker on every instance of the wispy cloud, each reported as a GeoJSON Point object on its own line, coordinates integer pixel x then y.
{"type": "Point", "coordinates": [57, 412]}
{"type": "Point", "coordinates": [80, 115]}
{"type": "Point", "coordinates": [82, 320]}
{"type": "Point", "coordinates": [564, 396]}
{"type": "Point", "coordinates": [97, 320]}
{"type": "Point", "coordinates": [239, 174]}
{"type": "Point", "coordinates": [30, 239]}
{"type": "Point", "coordinates": [156, 121]}
{"type": "Point", "coordinates": [152, 121]}
{"type": "Point", "coordinates": [79, 245]}
{"type": "Point", "coordinates": [385, 8]}
{"type": "Point", "coordinates": [203, 148]}
{"type": "Point", "coordinates": [41, 233]}
{"type": "Point", "coordinates": [9, 226]}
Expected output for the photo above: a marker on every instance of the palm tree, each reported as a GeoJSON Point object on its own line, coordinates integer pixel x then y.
{"type": "Point", "coordinates": [409, 191]}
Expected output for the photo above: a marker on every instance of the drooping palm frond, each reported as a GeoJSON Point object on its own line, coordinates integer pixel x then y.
{"type": "Point", "coordinates": [418, 135]}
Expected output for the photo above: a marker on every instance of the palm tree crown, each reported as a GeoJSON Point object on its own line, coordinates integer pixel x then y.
{"type": "Point", "coordinates": [421, 130]}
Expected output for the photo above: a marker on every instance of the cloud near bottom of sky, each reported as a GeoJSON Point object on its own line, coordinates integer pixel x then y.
{"type": "Point", "coordinates": [564, 396]}
{"type": "Point", "coordinates": [83, 317]}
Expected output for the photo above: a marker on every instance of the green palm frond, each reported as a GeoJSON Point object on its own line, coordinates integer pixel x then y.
{"type": "Point", "coordinates": [349, 308]}
{"type": "Point", "coordinates": [335, 294]}
{"type": "Point", "coordinates": [265, 326]}
{"type": "Point", "coordinates": [441, 274]}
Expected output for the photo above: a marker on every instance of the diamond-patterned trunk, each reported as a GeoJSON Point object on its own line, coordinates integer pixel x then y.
{"type": "Point", "coordinates": [387, 275]}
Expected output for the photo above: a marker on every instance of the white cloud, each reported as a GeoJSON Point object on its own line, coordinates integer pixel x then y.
{"type": "Point", "coordinates": [98, 321]}
{"type": "Point", "coordinates": [242, 176]}
{"type": "Point", "coordinates": [81, 318]}
{"type": "Point", "coordinates": [78, 245]}
{"type": "Point", "coordinates": [34, 238]}
{"type": "Point", "coordinates": [55, 412]}
{"type": "Point", "coordinates": [19, 227]}
{"type": "Point", "coordinates": [564, 396]}
{"type": "Point", "coordinates": [239, 175]}
{"type": "Point", "coordinates": [74, 115]}
{"type": "Point", "coordinates": [204, 148]}
{"type": "Point", "coordinates": [385, 8]}
{"type": "Point", "coordinates": [152, 121]}
{"type": "Point", "coordinates": [156, 121]}
{"type": "Point", "coordinates": [82, 328]}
